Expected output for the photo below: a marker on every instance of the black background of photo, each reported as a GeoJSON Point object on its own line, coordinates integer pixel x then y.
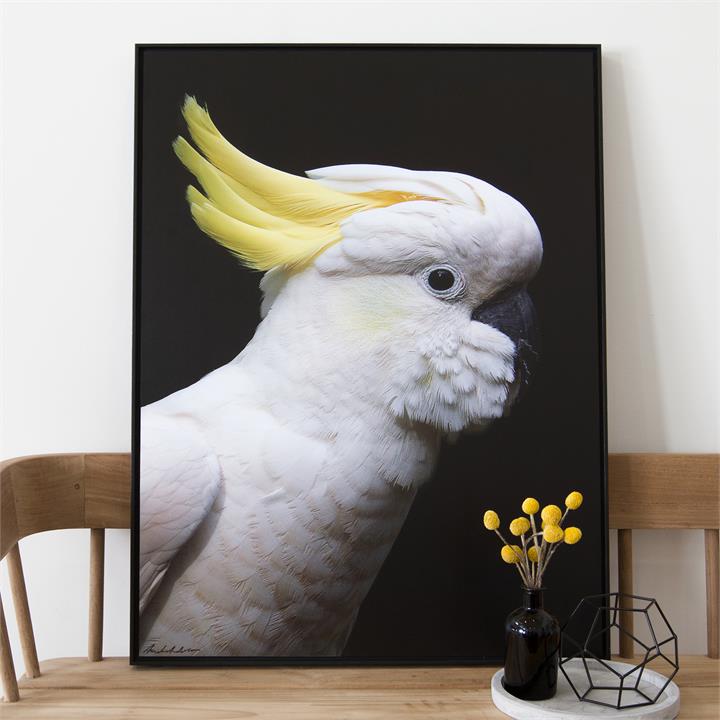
{"type": "Point", "coordinates": [524, 118]}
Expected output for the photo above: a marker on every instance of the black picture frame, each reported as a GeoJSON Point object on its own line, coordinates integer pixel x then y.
{"type": "Point", "coordinates": [602, 571]}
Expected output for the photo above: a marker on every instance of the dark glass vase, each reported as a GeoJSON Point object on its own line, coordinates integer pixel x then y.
{"type": "Point", "coordinates": [532, 640]}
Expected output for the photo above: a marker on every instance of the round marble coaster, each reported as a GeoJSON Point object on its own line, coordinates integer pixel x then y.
{"type": "Point", "coordinates": [566, 706]}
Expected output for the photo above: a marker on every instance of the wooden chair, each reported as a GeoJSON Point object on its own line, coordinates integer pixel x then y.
{"type": "Point", "coordinates": [53, 492]}
{"type": "Point", "coordinates": [665, 491]}
{"type": "Point", "coordinates": [93, 491]}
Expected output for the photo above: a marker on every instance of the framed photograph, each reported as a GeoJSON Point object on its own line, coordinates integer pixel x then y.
{"type": "Point", "coordinates": [368, 307]}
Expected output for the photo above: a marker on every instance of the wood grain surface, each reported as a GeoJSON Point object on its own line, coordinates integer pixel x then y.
{"type": "Point", "coordinates": [74, 688]}
{"type": "Point", "coordinates": [663, 491]}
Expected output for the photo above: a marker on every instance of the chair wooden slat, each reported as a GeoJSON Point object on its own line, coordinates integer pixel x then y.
{"type": "Point", "coordinates": [22, 612]}
{"type": "Point", "coordinates": [625, 586]}
{"type": "Point", "coordinates": [7, 666]}
{"type": "Point", "coordinates": [97, 582]}
{"type": "Point", "coordinates": [712, 584]}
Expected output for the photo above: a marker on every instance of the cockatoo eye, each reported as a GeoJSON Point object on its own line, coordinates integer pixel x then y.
{"type": "Point", "coordinates": [443, 281]}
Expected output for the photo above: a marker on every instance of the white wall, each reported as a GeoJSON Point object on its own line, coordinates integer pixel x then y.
{"type": "Point", "coordinates": [67, 158]}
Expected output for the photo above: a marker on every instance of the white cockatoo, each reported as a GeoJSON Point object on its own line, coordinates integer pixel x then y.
{"type": "Point", "coordinates": [394, 312]}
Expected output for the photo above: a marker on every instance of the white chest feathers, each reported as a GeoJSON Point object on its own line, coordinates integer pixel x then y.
{"type": "Point", "coordinates": [297, 534]}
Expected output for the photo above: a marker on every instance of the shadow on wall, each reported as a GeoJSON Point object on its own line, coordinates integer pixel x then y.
{"type": "Point", "coordinates": [635, 398]}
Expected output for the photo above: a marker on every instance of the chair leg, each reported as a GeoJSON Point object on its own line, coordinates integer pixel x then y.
{"type": "Point", "coordinates": [97, 582]}
{"type": "Point", "coordinates": [625, 587]}
{"type": "Point", "coordinates": [712, 587]}
{"type": "Point", "coordinates": [7, 667]}
{"type": "Point", "coordinates": [22, 612]}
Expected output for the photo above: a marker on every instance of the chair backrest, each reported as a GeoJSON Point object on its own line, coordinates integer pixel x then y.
{"type": "Point", "coordinates": [54, 492]}
{"type": "Point", "coordinates": [663, 491]}
{"type": "Point", "coordinates": [666, 491]}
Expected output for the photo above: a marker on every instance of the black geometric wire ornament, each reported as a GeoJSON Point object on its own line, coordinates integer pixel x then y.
{"type": "Point", "coordinates": [597, 615]}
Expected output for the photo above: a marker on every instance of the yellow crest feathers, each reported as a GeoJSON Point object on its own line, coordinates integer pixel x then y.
{"type": "Point", "coordinates": [266, 217]}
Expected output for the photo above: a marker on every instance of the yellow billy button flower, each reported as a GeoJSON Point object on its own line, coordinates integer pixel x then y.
{"type": "Point", "coordinates": [530, 506]}
{"type": "Point", "coordinates": [553, 533]}
{"type": "Point", "coordinates": [491, 520]}
{"type": "Point", "coordinates": [532, 554]}
{"type": "Point", "coordinates": [572, 535]}
{"type": "Point", "coordinates": [551, 514]}
{"type": "Point", "coordinates": [574, 500]}
{"type": "Point", "coordinates": [519, 526]}
{"type": "Point", "coordinates": [511, 554]}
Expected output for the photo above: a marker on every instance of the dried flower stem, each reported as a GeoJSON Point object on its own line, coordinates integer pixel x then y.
{"type": "Point", "coordinates": [548, 553]}
{"type": "Point", "coordinates": [526, 562]}
{"type": "Point", "coordinates": [520, 564]}
{"type": "Point", "coordinates": [552, 550]}
{"type": "Point", "coordinates": [534, 538]}
{"type": "Point", "coordinates": [542, 564]}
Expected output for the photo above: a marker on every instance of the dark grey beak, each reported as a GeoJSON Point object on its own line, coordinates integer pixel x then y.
{"type": "Point", "coordinates": [514, 316]}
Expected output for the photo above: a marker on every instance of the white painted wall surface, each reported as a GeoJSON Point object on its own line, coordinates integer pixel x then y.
{"type": "Point", "coordinates": [67, 163]}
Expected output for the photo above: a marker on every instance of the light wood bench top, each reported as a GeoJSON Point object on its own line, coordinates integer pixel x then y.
{"type": "Point", "coordinates": [73, 689]}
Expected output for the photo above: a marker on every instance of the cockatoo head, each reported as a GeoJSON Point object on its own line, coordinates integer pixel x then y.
{"type": "Point", "coordinates": [425, 270]}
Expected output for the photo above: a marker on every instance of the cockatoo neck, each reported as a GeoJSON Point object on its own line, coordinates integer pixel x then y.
{"type": "Point", "coordinates": [328, 356]}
